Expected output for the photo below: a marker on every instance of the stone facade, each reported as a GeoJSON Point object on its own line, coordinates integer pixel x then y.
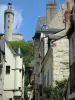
{"type": "Point", "coordinates": [56, 62]}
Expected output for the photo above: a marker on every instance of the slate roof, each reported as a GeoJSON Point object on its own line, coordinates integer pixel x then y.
{"type": "Point", "coordinates": [53, 37]}
{"type": "Point", "coordinates": [39, 28]}
{"type": "Point", "coordinates": [41, 21]}
{"type": "Point", "coordinates": [51, 31]}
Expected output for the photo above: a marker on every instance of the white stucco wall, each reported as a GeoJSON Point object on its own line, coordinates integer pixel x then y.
{"type": "Point", "coordinates": [10, 61]}
{"type": "Point", "coordinates": [18, 75]}
{"type": "Point", "coordinates": [13, 80]}
{"type": "Point", "coordinates": [7, 95]}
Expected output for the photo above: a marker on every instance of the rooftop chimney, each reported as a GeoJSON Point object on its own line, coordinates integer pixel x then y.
{"type": "Point", "coordinates": [68, 6]}
{"type": "Point", "coordinates": [51, 9]}
{"type": "Point", "coordinates": [49, 2]}
{"type": "Point", "coordinates": [55, 2]}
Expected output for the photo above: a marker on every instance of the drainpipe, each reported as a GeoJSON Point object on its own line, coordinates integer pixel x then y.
{"type": "Point", "coordinates": [42, 83]}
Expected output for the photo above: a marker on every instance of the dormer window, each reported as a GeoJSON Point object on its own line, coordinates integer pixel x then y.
{"type": "Point", "coordinates": [44, 27]}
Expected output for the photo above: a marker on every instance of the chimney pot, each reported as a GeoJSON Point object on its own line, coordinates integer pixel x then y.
{"type": "Point", "coordinates": [49, 2]}
{"type": "Point", "coordinates": [54, 1]}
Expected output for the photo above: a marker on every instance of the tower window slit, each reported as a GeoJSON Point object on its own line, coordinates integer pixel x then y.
{"type": "Point", "coordinates": [8, 16]}
{"type": "Point", "coordinates": [8, 26]}
{"type": "Point", "coordinates": [9, 21]}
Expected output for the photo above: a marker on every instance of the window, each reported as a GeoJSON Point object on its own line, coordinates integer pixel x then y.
{"type": "Point", "coordinates": [19, 70]}
{"type": "Point", "coordinates": [44, 27]}
{"type": "Point", "coordinates": [48, 77]}
{"type": "Point", "coordinates": [19, 88]}
{"type": "Point", "coordinates": [8, 16]}
{"type": "Point", "coordinates": [10, 98]}
{"type": "Point", "coordinates": [0, 57]}
{"type": "Point", "coordinates": [7, 69]}
{"type": "Point", "coordinates": [45, 80]}
{"type": "Point", "coordinates": [8, 26]}
{"type": "Point", "coordinates": [0, 69]}
{"type": "Point", "coordinates": [9, 21]}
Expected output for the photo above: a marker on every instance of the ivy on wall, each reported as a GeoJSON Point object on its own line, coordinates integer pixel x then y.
{"type": "Point", "coordinates": [57, 92]}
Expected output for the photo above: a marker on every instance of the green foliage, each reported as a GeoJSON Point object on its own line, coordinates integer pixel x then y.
{"type": "Point", "coordinates": [47, 92]}
{"type": "Point", "coordinates": [57, 92]}
{"type": "Point", "coordinates": [25, 93]}
{"type": "Point", "coordinates": [26, 49]}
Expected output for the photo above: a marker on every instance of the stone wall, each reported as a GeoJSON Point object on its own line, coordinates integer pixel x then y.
{"type": "Point", "coordinates": [56, 62]}
{"type": "Point", "coordinates": [61, 60]}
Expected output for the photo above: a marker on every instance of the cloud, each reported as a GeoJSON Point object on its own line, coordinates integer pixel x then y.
{"type": "Point", "coordinates": [18, 19]}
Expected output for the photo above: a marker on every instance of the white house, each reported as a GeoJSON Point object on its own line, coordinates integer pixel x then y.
{"type": "Point", "coordinates": [13, 74]}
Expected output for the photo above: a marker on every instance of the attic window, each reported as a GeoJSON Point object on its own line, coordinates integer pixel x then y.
{"type": "Point", "coordinates": [44, 27]}
{"type": "Point", "coordinates": [0, 69]}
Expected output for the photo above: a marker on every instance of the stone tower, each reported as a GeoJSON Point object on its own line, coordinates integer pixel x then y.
{"type": "Point", "coordinates": [8, 22]}
{"type": "Point", "coordinates": [51, 9]}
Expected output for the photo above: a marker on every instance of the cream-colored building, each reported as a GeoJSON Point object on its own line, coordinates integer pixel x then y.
{"type": "Point", "coordinates": [51, 61]}
{"type": "Point", "coordinates": [13, 74]}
